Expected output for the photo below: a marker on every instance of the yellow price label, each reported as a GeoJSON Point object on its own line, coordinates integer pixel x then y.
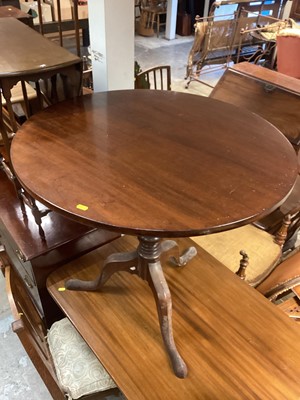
{"type": "Point", "coordinates": [82, 207]}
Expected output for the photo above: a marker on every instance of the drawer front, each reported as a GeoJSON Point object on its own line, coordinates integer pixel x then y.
{"type": "Point", "coordinates": [24, 268]}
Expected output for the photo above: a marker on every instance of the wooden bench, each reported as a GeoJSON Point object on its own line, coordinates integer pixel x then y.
{"type": "Point", "coordinates": [235, 342]}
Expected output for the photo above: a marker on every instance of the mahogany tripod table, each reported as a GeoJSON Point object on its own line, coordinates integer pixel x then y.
{"type": "Point", "coordinates": [153, 164]}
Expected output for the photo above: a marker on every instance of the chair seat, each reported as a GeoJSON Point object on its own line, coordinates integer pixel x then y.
{"type": "Point", "coordinates": [78, 370]}
{"type": "Point", "coordinates": [260, 247]}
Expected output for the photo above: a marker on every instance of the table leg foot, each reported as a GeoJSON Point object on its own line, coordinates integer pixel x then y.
{"type": "Point", "coordinates": [163, 300]}
{"type": "Point", "coordinates": [171, 247]}
{"type": "Point", "coordinates": [114, 263]}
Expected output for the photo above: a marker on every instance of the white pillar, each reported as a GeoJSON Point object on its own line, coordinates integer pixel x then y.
{"type": "Point", "coordinates": [171, 19]}
{"type": "Point", "coordinates": [111, 25]}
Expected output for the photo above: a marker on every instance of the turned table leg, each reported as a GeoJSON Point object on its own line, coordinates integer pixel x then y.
{"type": "Point", "coordinates": [145, 262]}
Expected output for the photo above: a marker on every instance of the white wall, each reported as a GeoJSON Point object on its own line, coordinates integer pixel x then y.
{"type": "Point", "coordinates": [111, 25]}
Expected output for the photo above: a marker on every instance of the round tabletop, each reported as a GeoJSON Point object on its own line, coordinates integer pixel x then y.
{"type": "Point", "coordinates": [159, 163]}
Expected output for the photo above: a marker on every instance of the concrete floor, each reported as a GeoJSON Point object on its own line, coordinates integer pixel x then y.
{"type": "Point", "coordinates": [18, 378]}
{"type": "Point", "coordinates": [151, 51]}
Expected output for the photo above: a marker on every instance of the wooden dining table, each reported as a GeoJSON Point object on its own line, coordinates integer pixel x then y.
{"type": "Point", "coordinates": [14, 12]}
{"type": "Point", "coordinates": [153, 164]}
{"type": "Point", "coordinates": [236, 343]}
{"type": "Point", "coordinates": [27, 56]}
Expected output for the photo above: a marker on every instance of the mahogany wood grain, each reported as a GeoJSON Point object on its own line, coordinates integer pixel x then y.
{"type": "Point", "coordinates": [59, 231]}
{"type": "Point", "coordinates": [156, 163]}
{"type": "Point", "coordinates": [235, 342]}
{"type": "Point", "coordinates": [273, 96]}
{"type": "Point", "coordinates": [276, 78]}
{"type": "Point", "coordinates": [33, 256]}
{"type": "Point", "coordinates": [134, 162]}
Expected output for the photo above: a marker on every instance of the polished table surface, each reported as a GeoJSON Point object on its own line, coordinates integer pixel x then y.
{"type": "Point", "coordinates": [236, 343]}
{"type": "Point", "coordinates": [153, 164]}
{"type": "Point", "coordinates": [26, 56]}
{"type": "Point", "coordinates": [24, 51]}
{"type": "Point", "coordinates": [273, 96]}
{"type": "Point", "coordinates": [10, 11]}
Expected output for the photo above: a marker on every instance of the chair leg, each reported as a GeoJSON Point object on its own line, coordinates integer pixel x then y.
{"type": "Point", "coordinates": [158, 25]}
{"type": "Point", "coordinates": [243, 265]}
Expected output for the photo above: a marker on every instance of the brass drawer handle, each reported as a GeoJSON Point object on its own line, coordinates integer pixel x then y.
{"type": "Point", "coordinates": [27, 282]}
{"type": "Point", "coordinates": [20, 256]}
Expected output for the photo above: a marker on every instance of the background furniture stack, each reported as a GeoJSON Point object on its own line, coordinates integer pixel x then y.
{"type": "Point", "coordinates": [152, 16]}
{"type": "Point", "coordinates": [226, 35]}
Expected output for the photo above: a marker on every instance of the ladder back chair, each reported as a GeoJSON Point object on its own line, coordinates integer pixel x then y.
{"type": "Point", "coordinates": [54, 17]}
{"type": "Point", "coordinates": [158, 78]}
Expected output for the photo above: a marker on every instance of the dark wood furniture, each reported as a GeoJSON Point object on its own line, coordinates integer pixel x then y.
{"type": "Point", "coordinates": [34, 336]}
{"type": "Point", "coordinates": [14, 3]}
{"type": "Point", "coordinates": [34, 257]}
{"type": "Point", "coordinates": [274, 96]}
{"type": "Point", "coordinates": [26, 259]}
{"type": "Point", "coordinates": [30, 328]}
{"type": "Point", "coordinates": [136, 162]}
{"type": "Point", "coordinates": [295, 10]}
{"type": "Point", "coordinates": [236, 343]}
{"type": "Point", "coordinates": [10, 11]}
{"type": "Point", "coordinates": [28, 56]}
{"type": "Point", "coordinates": [284, 280]}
